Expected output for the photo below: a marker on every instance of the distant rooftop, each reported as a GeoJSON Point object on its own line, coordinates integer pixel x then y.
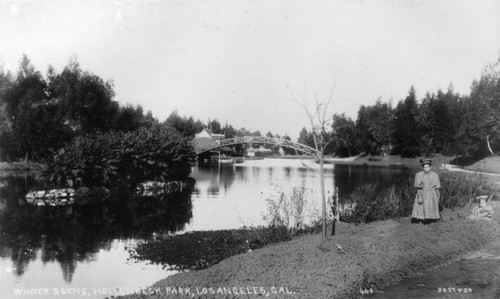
{"type": "Point", "coordinates": [204, 140]}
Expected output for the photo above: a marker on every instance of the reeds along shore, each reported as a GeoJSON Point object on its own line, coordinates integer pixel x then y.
{"type": "Point", "coordinates": [385, 201]}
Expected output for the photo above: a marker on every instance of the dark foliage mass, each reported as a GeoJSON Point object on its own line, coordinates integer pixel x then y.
{"type": "Point", "coordinates": [119, 158]}
{"type": "Point", "coordinates": [442, 122]}
{"type": "Point", "coordinates": [40, 114]}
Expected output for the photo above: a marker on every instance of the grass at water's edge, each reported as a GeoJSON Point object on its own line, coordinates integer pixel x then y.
{"type": "Point", "coordinates": [359, 256]}
{"type": "Point", "coordinates": [202, 249]}
{"type": "Point", "coordinates": [21, 166]}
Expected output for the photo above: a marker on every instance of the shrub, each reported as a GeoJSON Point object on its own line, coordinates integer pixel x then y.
{"type": "Point", "coordinates": [122, 158]}
{"type": "Point", "coordinates": [374, 202]}
{"type": "Point", "coordinates": [458, 189]}
{"type": "Point", "coordinates": [296, 209]}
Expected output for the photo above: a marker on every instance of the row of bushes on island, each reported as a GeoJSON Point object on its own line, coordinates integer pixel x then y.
{"type": "Point", "coordinates": [122, 159]}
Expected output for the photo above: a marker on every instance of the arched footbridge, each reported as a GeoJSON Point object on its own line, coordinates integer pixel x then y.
{"type": "Point", "coordinates": [206, 144]}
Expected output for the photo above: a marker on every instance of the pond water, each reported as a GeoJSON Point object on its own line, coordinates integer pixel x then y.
{"type": "Point", "coordinates": [83, 249]}
{"type": "Point", "coordinates": [237, 193]}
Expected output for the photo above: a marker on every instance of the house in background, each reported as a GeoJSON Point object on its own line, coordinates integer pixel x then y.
{"type": "Point", "coordinates": [204, 141]}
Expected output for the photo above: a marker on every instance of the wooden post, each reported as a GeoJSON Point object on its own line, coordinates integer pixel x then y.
{"type": "Point", "coordinates": [323, 196]}
{"type": "Point", "coordinates": [334, 209]}
{"type": "Point", "coordinates": [337, 215]}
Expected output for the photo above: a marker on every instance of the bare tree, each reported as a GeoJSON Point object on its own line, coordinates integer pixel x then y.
{"type": "Point", "coordinates": [321, 123]}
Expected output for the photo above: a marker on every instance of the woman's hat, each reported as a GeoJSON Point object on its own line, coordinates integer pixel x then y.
{"type": "Point", "coordinates": [482, 197]}
{"type": "Point", "coordinates": [425, 161]}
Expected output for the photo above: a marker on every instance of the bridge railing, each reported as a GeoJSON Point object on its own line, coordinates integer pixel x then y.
{"type": "Point", "coordinates": [264, 140]}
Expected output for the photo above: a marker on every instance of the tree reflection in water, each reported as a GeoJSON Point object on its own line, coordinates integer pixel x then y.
{"type": "Point", "coordinates": [76, 233]}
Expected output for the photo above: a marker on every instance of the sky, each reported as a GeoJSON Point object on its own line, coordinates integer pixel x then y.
{"type": "Point", "coordinates": [244, 62]}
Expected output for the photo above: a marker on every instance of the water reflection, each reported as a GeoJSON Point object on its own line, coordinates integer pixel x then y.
{"type": "Point", "coordinates": [213, 179]}
{"type": "Point", "coordinates": [350, 177]}
{"type": "Point", "coordinates": [232, 196]}
{"type": "Point", "coordinates": [70, 235]}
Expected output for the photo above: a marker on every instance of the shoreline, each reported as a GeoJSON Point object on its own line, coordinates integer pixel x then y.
{"type": "Point", "coordinates": [389, 160]}
{"type": "Point", "coordinates": [21, 166]}
{"type": "Point", "coordinates": [369, 256]}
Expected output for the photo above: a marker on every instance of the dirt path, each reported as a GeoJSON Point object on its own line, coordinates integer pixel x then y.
{"type": "Point", "coordinates": [477, 275]}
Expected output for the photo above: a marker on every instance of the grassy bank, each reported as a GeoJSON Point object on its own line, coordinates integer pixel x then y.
{"type": "Point", "coordinates": [388, 160]}
{"type": "Point", "coordinates": [358, 257]}
{"type": "Point", "coordinates": [489, 165]}
{"type": "Point", "coordinates": [392, 160]}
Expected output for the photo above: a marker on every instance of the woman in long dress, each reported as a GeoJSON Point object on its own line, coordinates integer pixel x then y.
{"type": "Point", "coordinates": [426, 205]}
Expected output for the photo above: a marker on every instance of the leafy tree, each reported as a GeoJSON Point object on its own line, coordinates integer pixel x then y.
{"type": "Point", "coordinates": [482, 123]}
{"type": "Point", "coordinates": [36, 128]}
{"type": "Point", "coordinates": [150, 121]}
{"type": "Point", "coordinates": [374, 127]}
{"type": "Point", "coordinates": [306, 138]}
{"type": "Point", "coordinates": [85, 98]}
{"type": "Point", "coordinates": [257, 133]}
{"type": "Point", "coordinates": [344, 139]}
{"type": "Point", "coordinates": [243, 132]}
{"type": "Point", "coordinates": [28, 88]}
{"type": "Point", "coordinates": [407, 130]}
{"type": "Point", "coordinates": [44, 114]}
{"type": "Point", "coordinates": [229, 131]}
{"type": "Point", "coordinates": [40, 131]}
{"type": "Point", "coordinates": [439, 117]}
{"type": "Point", "coordinates": [215, 126]}
{"type": "Point", "coordinates": [129, 118]}
{"type": "Point", "coordinates": [187, 127]}
{"type": "Point", "coordinates": [6, 82]}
